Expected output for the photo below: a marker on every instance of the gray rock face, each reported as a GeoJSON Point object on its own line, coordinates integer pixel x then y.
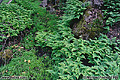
{"type": "Point", "coordinates": [90, 25]}
{"type": "Point", "coordinates": [98, 3]}
{"type": "Point", "coordinates": [95, 3]}
{"type": "Point", "coordinates": [43, 3]}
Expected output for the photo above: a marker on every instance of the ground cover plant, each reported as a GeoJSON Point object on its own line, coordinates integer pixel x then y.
{"type": "Point", "coordinates": [27, 64]}
{"type": "Point", "coordinates": [75, 58]}
{"type": "Point", "coordinates": [49, 50]}
{"type": "Point", "coordinates": [13, 19]}
{"type": "Point", "coordinates": [21, 54]}
{"type": "Point", "coordinates": [111, 12]}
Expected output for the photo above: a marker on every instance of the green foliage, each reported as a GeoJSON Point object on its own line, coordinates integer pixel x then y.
{"type": "Point", "coordinates": [26, 4]}
{"type": "Point", "coordinates": [44, 21]}
{"type": "Point", "coordinates": [111, 11]}
{"type": "Point", "coordinates": [74, 10]}
{"type": "Point", "coordinates": [26, 63]}
{"type": "Point", "coordinates": [13, 19]}
{"type": "Point", "coordinates": [69, 55]}
{"type": "Point", "coordinates": [28, 41]}
{"type": "Point", "coordinates": [74, 58]}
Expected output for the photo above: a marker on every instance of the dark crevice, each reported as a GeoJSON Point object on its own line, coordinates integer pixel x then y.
{"type": "Point", "coordinates": [85, 62]}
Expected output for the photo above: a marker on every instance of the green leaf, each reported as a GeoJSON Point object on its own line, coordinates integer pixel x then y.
{"type": "Point", "coordinates": [116, 56]}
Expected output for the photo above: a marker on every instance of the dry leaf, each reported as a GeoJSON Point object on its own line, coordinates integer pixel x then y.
{"type": "Point", "coordinates": [23, 72]}
{"type": "Point", "coordinates": [28, 61]}
{"type": "Point", "coordinates": [19, 49]}
{"type": "Point", "coordinates": [22, 47]}
{"type": "Point", "coordinates": [8, 35]}
{"type": "Point", "coordinates": [6, 70]}
{"type": "Point", "coordinates": [16, 46]}
{"type": "Point", "coordinates": [24, 60]}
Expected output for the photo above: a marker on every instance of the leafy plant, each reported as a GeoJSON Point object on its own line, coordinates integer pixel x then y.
{"type": "Point", "coordinates": [74, 9]}
{"type": "Point", "coordinates": [111, 11]}
{"type": "Point", "coordinates": [13, 19]}
{"type": "Point", "coordinates": [28, 41]}
{"type": "Point", "coordinates": [27, 64]}
{"type": "Point", "coordinates": [75, 58]}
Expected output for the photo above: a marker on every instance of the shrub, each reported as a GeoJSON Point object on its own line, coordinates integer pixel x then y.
{"type": "Point", "coordinates": [75, 58]}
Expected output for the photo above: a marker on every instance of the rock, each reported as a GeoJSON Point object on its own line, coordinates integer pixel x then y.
{"type": "Point", "coordinates": [95, 3]}
{"type": "Point", "coordinates": [43, 3]}
{"type": "Point", "coordinates": [52, 10]}
{"type": "Point", "coordinates": [90, 24]}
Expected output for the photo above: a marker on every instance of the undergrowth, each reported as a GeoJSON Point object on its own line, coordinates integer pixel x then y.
{"type": "Point", "coordinates": [111, 11]}
{"type": "Point", "coordinates": [24, 61]}
{"type": "Point", "coordinates": [27, 64]}
{"type": "Point", "coordinates": [70, 58]}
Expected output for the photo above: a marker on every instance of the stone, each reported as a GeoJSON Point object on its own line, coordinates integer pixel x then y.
{"type": "Point", "coordinates": [89, 25]}
{"type": "Point", "coordinates": [43, 3]}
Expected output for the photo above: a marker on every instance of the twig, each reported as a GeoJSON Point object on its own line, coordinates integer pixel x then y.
{"type": "Point", "coordinates": [9, 2]}
{"type": "Point", "coordinates": [4, 45]}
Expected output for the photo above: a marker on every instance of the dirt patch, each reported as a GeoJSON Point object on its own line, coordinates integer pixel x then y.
{"type": "Point", "coordinates": [114, 31]}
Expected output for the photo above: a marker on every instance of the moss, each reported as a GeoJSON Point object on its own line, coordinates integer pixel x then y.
{"type": "Point", "coordinates": [93, 28]}
{"type": "Point", "coordinates": [6, 54]}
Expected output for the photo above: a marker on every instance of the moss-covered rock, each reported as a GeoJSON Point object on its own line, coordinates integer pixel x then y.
{"type": "Point", "coordinates": [90, 25]}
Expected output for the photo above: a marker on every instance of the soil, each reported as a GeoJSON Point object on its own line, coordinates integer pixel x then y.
{"type": "Point", "coordinates": [114, 31]}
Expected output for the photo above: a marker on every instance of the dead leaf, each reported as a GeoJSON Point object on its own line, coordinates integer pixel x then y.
{"type": "Point", "coordinates": [19, 49]}
{"type": "Point", "coordinates": [24, 60]}
{"type": "Point", "coordinates": [22, 47]}
{"type": "Point", "coordinates": [28, 61]}
{"type": "Point", "coordinates": [23, 72]}
{"type": "Point", "coordinates": [6, 70]}
{"type": "Point", "coordinates": [8, 35]}
{"type": "Point", "coordinates": [16, 46]}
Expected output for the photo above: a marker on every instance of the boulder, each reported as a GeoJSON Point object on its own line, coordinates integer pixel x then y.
{"type": "Point", "coordinates": [43, 3]}
{"type": "Point", "coordinates": [90, 25]}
